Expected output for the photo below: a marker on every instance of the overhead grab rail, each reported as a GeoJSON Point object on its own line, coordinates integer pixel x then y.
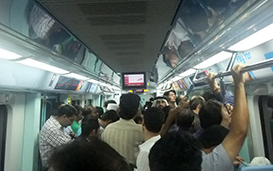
{"type": "Point", "coordinates": [251, 67]}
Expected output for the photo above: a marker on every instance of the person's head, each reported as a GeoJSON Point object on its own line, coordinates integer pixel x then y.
{"type": "Point", "coordinates": [213, 136]}
{"type": "Point", "coordinates": [160, 102]}
{"type": "Point", "coordinates": [185, 119]}
{"type": "Point", "coordinates": [66, 115]}
{"type": "Point", "coordinates": [153, 120]}
{"type": "Point", "coordinates": [183, 101]}
{"type": "Point", "coordinates": [208, 96]}
{"type": "Point", "coordinates": [87, 113]}
{"type": "Point", "coordinates": [90, 128]}
{"type": "Point", "coordinates": [210, 114]}
{"type": "Point", "coordinates": [196, 102]}
{"type": "Point", "coordinates": [79, 113]}
{"type": "Point", "coordinates": [171, 95]}
{"type": "Point", "coordinates": [175, 151]}
{"type": "Point", "coordinates": [129, 104]}
{"type": "Point", "coordinates": [138, 119]}
{"type": "Point", "coordinates": [99, 111]}
{"type": "Point", "coordinates": [110, 116]}
{"type": "Point", "coordinates": [56, 107]}
{"type": "Point", "coordinates": [105, 104]}
{"type": "Point", "coordinates": [170, 57]}
{"type": "Point", "coordinates": [83, 156]}
{"type": "Point", "coordinates": [94, 111]}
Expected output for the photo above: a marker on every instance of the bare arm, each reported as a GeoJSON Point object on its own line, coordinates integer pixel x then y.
{"type": "Point", "coordinates": [171, 117]}
{"type": "Point", "coordinates": [240, 117]}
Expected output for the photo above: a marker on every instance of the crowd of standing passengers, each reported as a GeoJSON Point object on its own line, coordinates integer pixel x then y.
{"type": "Point", "coordinates": [170, 134]}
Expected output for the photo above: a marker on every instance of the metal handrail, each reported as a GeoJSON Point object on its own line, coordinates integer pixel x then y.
{"type": "Point", "coordinates": [251, 67]}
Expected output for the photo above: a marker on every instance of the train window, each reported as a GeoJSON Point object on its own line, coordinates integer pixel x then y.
{"type": "Point", "coordinates": [3, 129]}
{"type": "Point", "coordinates": [266, 115]}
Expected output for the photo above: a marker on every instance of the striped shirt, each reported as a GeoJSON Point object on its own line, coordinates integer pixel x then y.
{"type": "Point", "coordinates": [124, 136]}
{"type": "Point", "coordinates": [51, 137]}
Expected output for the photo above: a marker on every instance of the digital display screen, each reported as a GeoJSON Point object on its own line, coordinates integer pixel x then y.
{"type": "Point", "coordinates": [134, 80]}
{"type": "Point", "coordinates": [66, 83]}
{"type": "Point", "coordinates": [91, 88]}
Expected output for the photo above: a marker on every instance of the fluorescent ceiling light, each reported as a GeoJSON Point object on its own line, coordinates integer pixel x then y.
{"type": "Point", "coordinates": [8, 55]}
{"type": "Point", "coordinates": [187, 73]}
{"type": "Point", "coordinates": [214, 60]}
{"type": "Point", "coordinates": [176, 78]}
{"type": "Point", "coordinates": [77, 76]}
{"type": "Point", "coordinates": [40, 65]}
{"type": "Point", "coordinates": [93, 81]}
{"type": "Point", "coordinates": [254, 40]}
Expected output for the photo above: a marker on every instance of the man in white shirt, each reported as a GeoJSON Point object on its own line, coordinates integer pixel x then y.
{"type": "Point", "coordinates": [153, 121]}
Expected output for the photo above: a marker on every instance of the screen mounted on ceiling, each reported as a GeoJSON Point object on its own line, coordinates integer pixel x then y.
{"type": "Point", "coordinates": [135, 80]}
{"type": "Point", "coordinates": [66, 83]}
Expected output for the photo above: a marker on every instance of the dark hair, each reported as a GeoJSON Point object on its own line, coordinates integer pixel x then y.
{"type": "Point", "coordinates": [138, 119]}
{"type": "Point", "coordinates": [129, 104]}
{"type": "Point", "coordinates": [168, 92]}
{"type": "Point", "coordinates": [86, 111]}
{"type": "Point", "coordinates": [154, 119]}
{"type": "Point", "coordinates": [109, 101]}
{"type": "Point", "coordinates": [195, 102]}
{"type": "Point", "coordinates": [208, 96]}
{"type": "Point", "coordinates": [88, 126]}
{"type": "Point", "coordinates": [185, 118]}
{"type": "Point", "coordinates": [78, 108]}
{"type": "Point", "coordinates": [84, 156]}
{"type": "Point", "coordinates": [210, 114]}
{"type": "Point", "coordinates": [179, 99]}
{"type": "Point", "coordinates": [213, 136]}
{"type": "Point", "coordinates": [175, 151]}
{"type": "Point", "coordinates": [67, 110]}
{"type": "Point", "coordinates": [99, 110]}
{"type": "Point", "coordinates": [110, 115]}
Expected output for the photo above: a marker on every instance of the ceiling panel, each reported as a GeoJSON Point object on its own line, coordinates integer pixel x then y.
{"type": "Point", "coordinates": [126, 35]}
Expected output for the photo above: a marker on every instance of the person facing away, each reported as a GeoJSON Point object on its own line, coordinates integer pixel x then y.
{"type": "Point", "coordinates": [212, 113]}
{"type": "Point", "coordinates": [125, 135]}
{"type": "Point", "coordinates": [196, 104]}
{"type": "Point", "coordinates": [108, 117]}
{"type": "Point", "coordinates": [153, 121]}
{"type": "Point", "coordinates": [223, 155]}
{"type": "Point", "coordinates": [90, 129]}
{"type": "Point", "coordinates": [175, 152]}
{"type": "Point", "coordinates": [52, 134]}
{"type": "Point", "coordinates": [185, 121]}
{"type": "Point", "coordinates": [83, 156]}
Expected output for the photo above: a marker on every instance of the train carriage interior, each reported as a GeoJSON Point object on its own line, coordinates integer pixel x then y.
{"type": "Point", "coordinates": [89, 51]}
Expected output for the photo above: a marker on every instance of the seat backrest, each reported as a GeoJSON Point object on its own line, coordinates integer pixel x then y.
{"type": "Point", "coordinates": [257, 168]}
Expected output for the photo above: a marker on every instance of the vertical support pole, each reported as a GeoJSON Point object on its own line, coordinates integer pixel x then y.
{"type": "Point", "coordinates": [30, 155]}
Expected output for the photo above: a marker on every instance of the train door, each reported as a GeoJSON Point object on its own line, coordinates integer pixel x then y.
{"type": "Point", "coordinates": [266, 115]}
{"type": "Point", "coordinates": [3, 129]}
